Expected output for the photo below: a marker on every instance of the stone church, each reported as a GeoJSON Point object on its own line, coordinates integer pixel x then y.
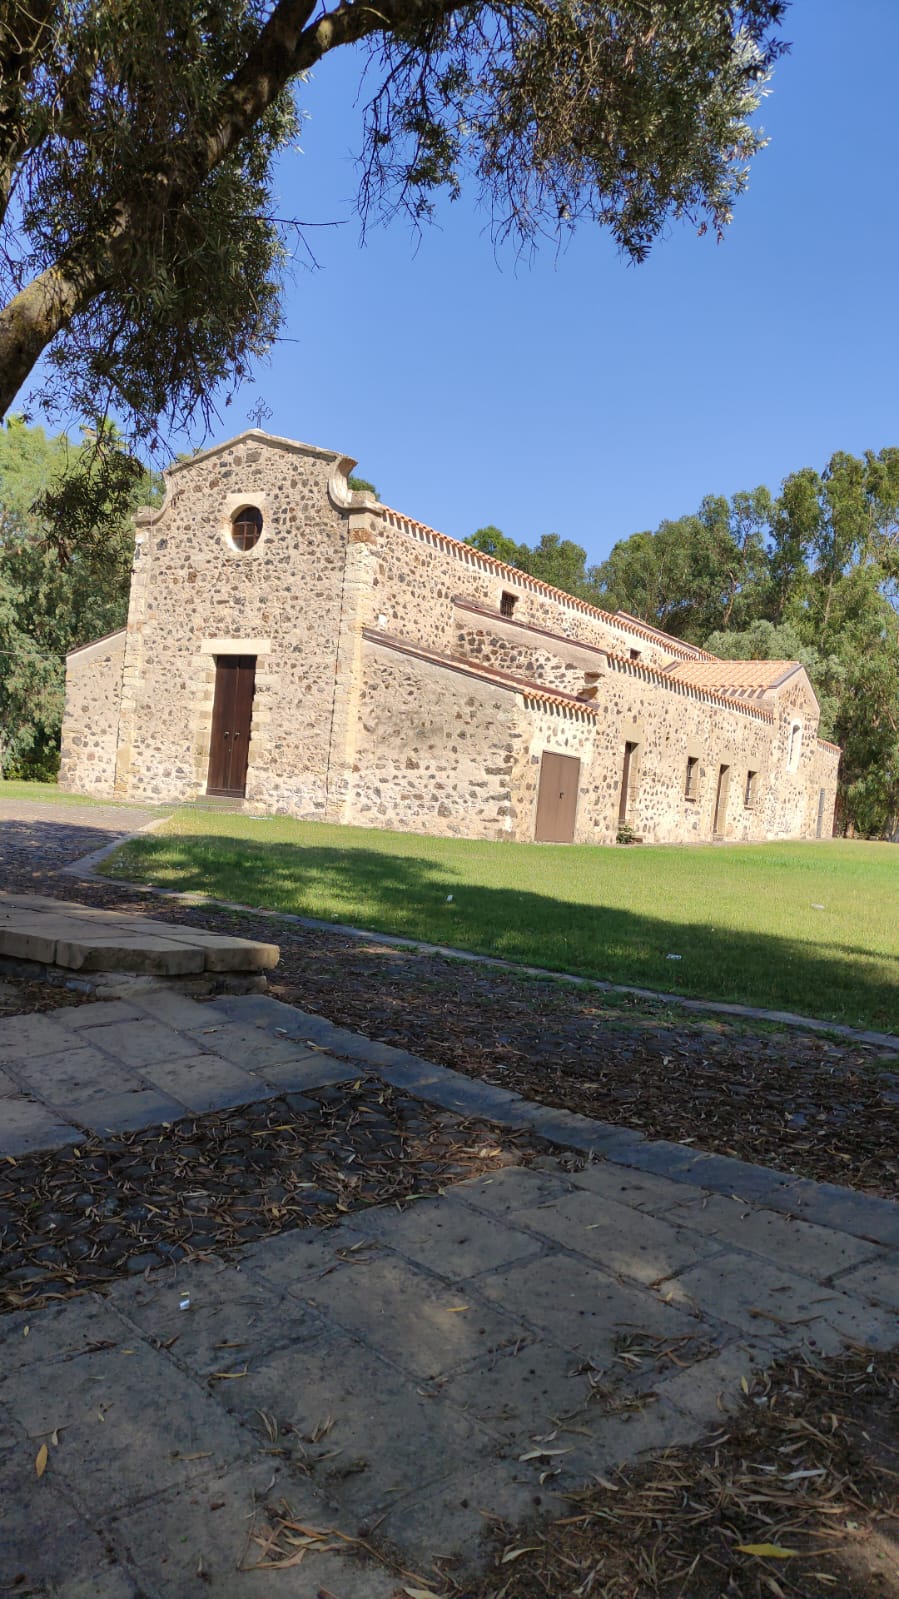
{"type": "Point", "coordinates": [298, 648]}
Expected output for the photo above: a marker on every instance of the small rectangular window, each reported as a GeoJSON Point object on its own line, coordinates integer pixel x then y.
{"type": "Point", "coordinates": [691, 786]}
{"type": "Point", "coordinates": [749, 798]}
{"type": "Point", "coordinates": [507, 603]}
{"type": "Point", "coordinates": [635, 655]}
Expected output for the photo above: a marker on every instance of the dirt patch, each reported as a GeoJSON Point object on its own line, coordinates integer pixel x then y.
{"type": "Point", "coordinates": [78, 1218]}
{"type": "Point", "coordinates": [796, 1497]}
{"type": "Point", "coordinates": [21, 995]}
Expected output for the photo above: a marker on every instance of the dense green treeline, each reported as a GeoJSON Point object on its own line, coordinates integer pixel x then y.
{"type": "Point", "coordinates": [66, 545]}
{"type": "Point", "coordinates": [811, 574]}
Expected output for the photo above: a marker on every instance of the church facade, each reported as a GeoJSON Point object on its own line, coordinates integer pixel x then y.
{"type": "Point", "coordinates": [301, 649]}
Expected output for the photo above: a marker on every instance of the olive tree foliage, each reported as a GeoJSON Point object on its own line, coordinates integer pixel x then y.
{"type": "Point", "coordinates": [140, 256]}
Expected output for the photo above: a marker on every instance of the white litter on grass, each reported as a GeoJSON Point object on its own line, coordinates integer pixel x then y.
{"type": "Point", "coordinates": [674, 957]}
{"type": "Point", "coordinates": [817, 907]}
{"type": "Point", "coordinates": [449, 898]}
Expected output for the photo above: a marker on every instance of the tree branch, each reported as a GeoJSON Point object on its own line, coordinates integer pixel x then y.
{"type": "Point", "coordinates": [287, 47]}
{"type": "Point", "coordinates": [28, 324]}
{"type": "Point", "coordinates": [20, 47]}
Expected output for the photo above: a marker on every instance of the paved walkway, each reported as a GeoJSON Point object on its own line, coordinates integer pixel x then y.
{"type": "Point", "coordinates": [403, 1377]}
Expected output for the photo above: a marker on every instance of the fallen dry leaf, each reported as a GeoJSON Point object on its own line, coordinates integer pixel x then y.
{"type": "Point", "coordinates": [767, 1551]}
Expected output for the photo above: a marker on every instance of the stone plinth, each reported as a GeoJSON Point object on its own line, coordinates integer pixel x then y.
{"type": "Point", "coordinates": [82, 939]}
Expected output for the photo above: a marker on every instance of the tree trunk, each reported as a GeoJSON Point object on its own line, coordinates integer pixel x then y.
{"type": "Point", "coordinates": [28, 324]}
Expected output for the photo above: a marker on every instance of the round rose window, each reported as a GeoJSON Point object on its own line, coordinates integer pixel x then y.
{"type": "Point", "coordinates": [246, 526]}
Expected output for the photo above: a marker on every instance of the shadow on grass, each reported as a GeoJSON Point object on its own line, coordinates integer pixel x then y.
{"type": "Point", "coordinates": [408, 895]}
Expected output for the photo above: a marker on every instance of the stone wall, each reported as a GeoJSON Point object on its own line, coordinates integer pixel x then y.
{"type": "Point", "coordinates": [508, 650]}
{"type": "Point", "coordinates": [91, 726]}
{"type": "Point", "coordinates": [196, 597]}
{"type": "Point", "coordinates": [822, 790]}
{"type": "Point", "coordinates": [669, 727]}
{"type": "Point", "coordinates": [436, 751]}
{"type": "Point", "coordinates": [418, 574]}
{"type": "Point", "coordinates": [789, 796]}
{"type": "Point", "coordinates": [349, 726]}
{"type": "Point", "coordinates": [444, 752]}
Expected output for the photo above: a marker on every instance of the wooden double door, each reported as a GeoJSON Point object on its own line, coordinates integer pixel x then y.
{"type": "Point", "coordinates": [232, 716]}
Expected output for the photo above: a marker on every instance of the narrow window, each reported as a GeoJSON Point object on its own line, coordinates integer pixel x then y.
{"type": "Point", "coordinates": [635, 655]}
{"type": "Point", "coordinates": [246, 526]}
{"type": "Point", "coordinates": [795, 746]}
{"type": "Point", "coordinates": [691, 786]}
{"type": "Point", "coordinates": [507, 603]}
{"type": "Point", "coordinates": [720, 822]}
{"type": "Point", "coordinates": [749, 797]}
{"type": "Point", "coordinates": [627, 778]}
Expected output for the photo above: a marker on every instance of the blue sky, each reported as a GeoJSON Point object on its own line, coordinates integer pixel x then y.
{"type": "Point", "coordinates": [584, 396]}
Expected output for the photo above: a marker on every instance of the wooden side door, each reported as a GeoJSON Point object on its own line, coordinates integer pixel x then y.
{"type": "Point", "coordinates": [232, 715]}
{"type": "Point", "coordinates": [627, 780]}
{"type": "Point", "coordinates": [560, 777]}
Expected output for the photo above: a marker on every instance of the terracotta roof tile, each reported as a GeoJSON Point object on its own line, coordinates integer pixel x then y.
{"type": "Point", "coordinates": [748, 678]}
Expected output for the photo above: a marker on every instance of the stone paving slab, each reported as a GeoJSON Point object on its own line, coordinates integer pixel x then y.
{"type": "Point", "coordinates": [464, 1250]}
{"type": "Point", "coordinates": [215, 1557]}
{"type": "Point", "coordinates": [801, 1245]}
{"type": "Point", "coordinates": [878, 1280]}
{"type": "Point", "coordinates": [400, 1371]}
{"type": "Point", "coordinates": [115, 1445]}
{"type": "Point", "coordinates": [121, 1065]}
{"type": "Point", "coordinates": [628, 1242]}
{"type": "Point", "coordinates": [86, 939]}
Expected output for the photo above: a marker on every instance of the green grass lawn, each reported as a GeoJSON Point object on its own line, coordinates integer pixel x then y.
{"type": "Point", "coordinates": [14, 789]}
{"type": "Point", "coordinates": [812, 928]}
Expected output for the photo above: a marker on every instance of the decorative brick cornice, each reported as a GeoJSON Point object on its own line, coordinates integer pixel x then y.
{"type": "Point", "coordinates": [675, 685]}
{"type": "Point", "coordinates": [489, 563]}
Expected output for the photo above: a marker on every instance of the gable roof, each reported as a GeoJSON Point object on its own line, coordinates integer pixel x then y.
{"type": "Point", "coordinates": [254, 436]}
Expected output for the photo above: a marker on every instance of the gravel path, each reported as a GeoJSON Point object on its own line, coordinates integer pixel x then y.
{"type": "Point", "coordinates": [39, 837]}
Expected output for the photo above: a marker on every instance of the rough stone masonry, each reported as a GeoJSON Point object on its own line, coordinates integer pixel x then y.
{"type": "Point", "coordinates": [391, 676]}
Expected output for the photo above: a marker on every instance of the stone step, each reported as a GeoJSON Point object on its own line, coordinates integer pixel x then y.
{"type": "Point", "coordinates": [81, 938]}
